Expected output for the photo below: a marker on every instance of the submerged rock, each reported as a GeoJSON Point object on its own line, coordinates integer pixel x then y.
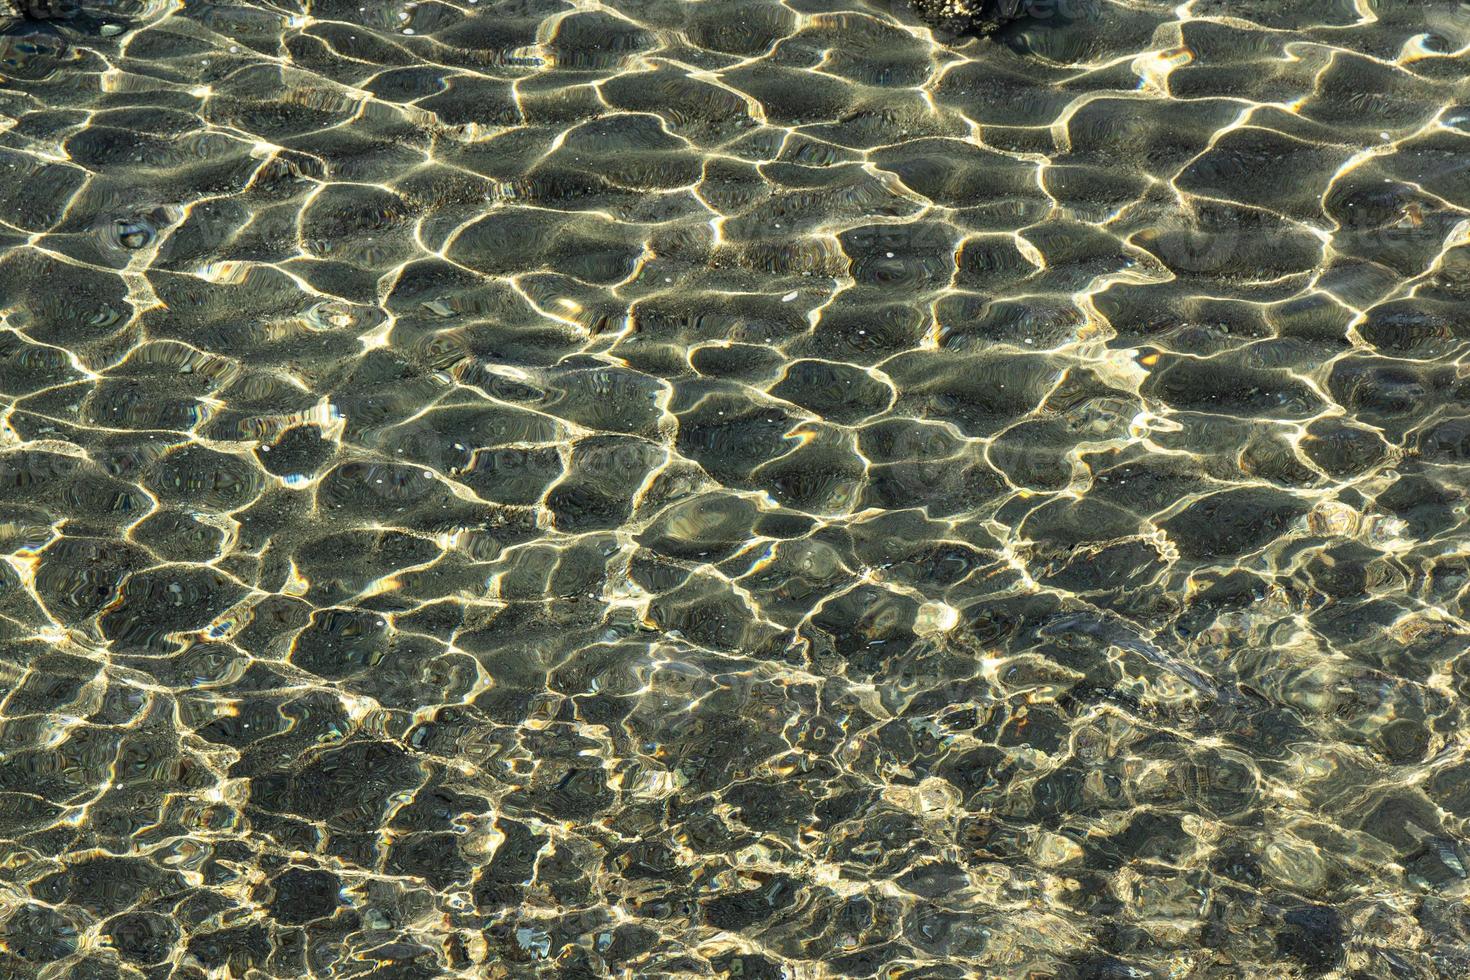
{"type": "Point", "coordinates": [41, 9]}
{"type": "Point", "coordinates": [30, 51]}
{"type": "Point", "coordinates": [969, 16]}
{"type": "Point", "coordinates": [81, 18]}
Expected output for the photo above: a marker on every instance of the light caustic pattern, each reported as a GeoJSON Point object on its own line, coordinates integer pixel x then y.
{"type": "Point", "coordinates": [658, 488]}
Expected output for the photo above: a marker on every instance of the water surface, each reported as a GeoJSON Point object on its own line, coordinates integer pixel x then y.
{"type": "Point", "coordinates": [675, 488]}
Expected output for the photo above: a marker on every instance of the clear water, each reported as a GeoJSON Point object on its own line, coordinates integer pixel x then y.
{"type": "Point", "coordinates": [676, 488]}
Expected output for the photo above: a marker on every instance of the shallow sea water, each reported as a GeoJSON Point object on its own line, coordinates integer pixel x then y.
{"type": "Point", "coordinates": [734, 488]}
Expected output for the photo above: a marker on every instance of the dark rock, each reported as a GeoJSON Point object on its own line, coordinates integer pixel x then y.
{"type": "Point", "coordinates": [38, 934]}
{"type": "Point", "coordinates": [29, 51]}
{"type": "Point", "coordinates": [42, 9]}
{"type": "Point", "coordinates": [433, 857]}
{"type": "Point", "coordinates": [301, 895]}
{"type": "Point", "coordinates": [1313, 935]}
{"type": "Point", "coordinates": [1095, 966]}
{"type": "Point", "coordinates": [243, 948]}
{"type": "Point", "coordinates": [502, 882]}
{"type": "Point", "coordinates": [143, 937]}
{"type": "Point", "coordinates": [734, 912]}
{"type": "Point", "coordinates": [969, 16]}
{"type": "Point", "coordinates": [83, 16]}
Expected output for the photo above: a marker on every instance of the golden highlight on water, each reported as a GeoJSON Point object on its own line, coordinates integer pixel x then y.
{"type": "Point", "coordinates": [734, 488]}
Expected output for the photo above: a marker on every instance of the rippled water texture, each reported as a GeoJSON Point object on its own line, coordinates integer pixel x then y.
{"type": "Point", "coordinates": [734, 488]}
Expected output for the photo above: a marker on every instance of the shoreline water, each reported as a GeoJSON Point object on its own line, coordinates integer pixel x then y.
{"type": "Point", "coordinates": [663, 488]}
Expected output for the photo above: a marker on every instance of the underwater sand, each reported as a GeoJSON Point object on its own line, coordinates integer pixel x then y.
{"type": "Point", "coordinates": [735, 488]}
